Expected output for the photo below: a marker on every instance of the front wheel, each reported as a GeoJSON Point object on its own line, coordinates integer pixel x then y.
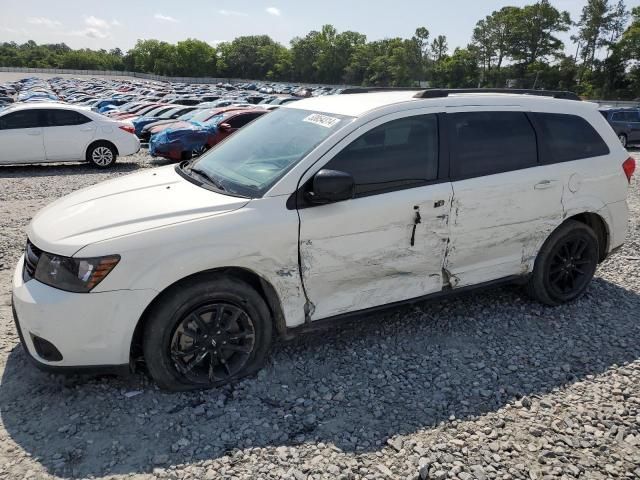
{"type": "Point", "coordinates": [206, 333]}
{"type": "Point", "coordinates": [565, 264]}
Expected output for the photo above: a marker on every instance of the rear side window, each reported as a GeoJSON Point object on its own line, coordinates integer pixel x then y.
{"type": "Point", "coordinates": [486, 143]}
{"type": "Point", "coordinates": [569, 137]}
{"type": "Point", "coordinates": [21, 119]}
{"type": "Point", "coordinates": [241, 120]}
{"type": "Point", "coordinates": [62, 118]}
{"type": "Point", "coordinates": [396, 155]}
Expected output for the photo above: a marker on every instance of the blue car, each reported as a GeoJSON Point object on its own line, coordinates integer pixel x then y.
{"type": "Point", "coordinates": [173, 113]}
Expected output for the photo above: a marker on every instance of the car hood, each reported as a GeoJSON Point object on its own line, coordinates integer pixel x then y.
{"type": "Point", "coordinates": [124, 206]}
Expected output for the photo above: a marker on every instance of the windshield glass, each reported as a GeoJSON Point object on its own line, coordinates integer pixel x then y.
{"type": "Point", "coordinates": [253, 159]}
{"type": "Point", "coordinates": [202, 115]}
{"type": "Point", "coordinates": [215, 119]}
{"type": "Point", "coordinates": [189, 115]}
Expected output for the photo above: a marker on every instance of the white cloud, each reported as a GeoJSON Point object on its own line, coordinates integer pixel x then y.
{"type": "Point", "coordinates": [215, 43]}
{"type": "Point", "coordinates": [232, 13]}
{"type": "Point", "coordinates": [44, 21]}
{"type": "Point", "coordinates": [96, 22]}
{"type": "Point", "coordinates": [165, 18]}
{"type": "Point", "coordinates": [273, 11]}
{"type": "Point", "coordinates": [116, 23]}
{"type": "Point", "coordinates": [95, 28]}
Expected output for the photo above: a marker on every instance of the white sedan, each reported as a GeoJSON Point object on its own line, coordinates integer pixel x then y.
{"type": "Point", "coordinates": [59, 132]}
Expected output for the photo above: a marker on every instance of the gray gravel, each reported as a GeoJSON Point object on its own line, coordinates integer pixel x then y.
{"type": "Point", "coordinates": [485, 386]}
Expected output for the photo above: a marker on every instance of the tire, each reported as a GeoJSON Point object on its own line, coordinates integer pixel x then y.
{"type": "Point", "coordinates": [206, 332]}
{"type": "Point", "coordinates": [623, 139]}
{"type": "Point", "coordinates": [102, 154]}
{"type": "Point", "coordinates": [565, 264]}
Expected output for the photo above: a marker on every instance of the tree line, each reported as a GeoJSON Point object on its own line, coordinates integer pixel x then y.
{"type": "Point", "coordinates": [514, 47]}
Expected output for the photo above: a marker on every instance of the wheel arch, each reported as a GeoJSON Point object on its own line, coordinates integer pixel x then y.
{"type": "Point", "coordinates": [600, 228]}
{"type": "Point", "coordinates": [261, 285]}
{"type": "Point", "coordinates": [94, 142]}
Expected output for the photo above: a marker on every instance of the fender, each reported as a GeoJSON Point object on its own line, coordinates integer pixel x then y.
{"type": "Point", "coordinates": [261, 237]}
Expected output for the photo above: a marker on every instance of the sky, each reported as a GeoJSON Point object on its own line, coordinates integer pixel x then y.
{"type": "Point", "coordinates": [119, 23]}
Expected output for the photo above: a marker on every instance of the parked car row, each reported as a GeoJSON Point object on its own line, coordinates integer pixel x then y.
{"type": "Point", "coordinates": [102, 117]}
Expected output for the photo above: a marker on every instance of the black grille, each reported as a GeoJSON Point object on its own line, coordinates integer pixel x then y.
{"type": "Point", "coordinates": [31, 257]}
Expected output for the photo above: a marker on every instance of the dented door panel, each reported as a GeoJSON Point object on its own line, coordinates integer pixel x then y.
{"type": "Point", "coordinates": [357, 254]}
{"type": "Point", "coordinates": [498, 222]}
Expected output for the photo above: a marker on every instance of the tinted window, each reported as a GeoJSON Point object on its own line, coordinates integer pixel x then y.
{"type": "Point", "coordinates": [632, 117]}
{"type": "Point", "coordinates": [484, 143]}
{"type": "Point", "coordinates": [21, 119]}
{"type": "Point", "coordinates": [399, 154]}
{"type": "Point", "coordinates": [241, 120]}
{"type": "Point", "coordinates": [617, 117]}
{"type": "Point", "coordinates": [61, 118]}
{"type": "Point", "coordinates": [569, 137]}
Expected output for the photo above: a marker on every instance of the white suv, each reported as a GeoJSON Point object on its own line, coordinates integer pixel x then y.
{"type": "Point", "coordinates": [59, 132]}
{"type": "Point", "coordinates": [324, 208]}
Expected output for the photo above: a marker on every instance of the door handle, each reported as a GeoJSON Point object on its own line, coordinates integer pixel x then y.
{"type": "Point", "coordinates": [544, 184]}
{"type": "Point", "coordinates": [34, 132]}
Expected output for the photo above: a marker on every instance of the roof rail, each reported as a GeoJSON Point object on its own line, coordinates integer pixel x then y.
{"type": "Point", "coordinates": [445, 92]}
{"type": "Point", "coordinates": [351, 90]}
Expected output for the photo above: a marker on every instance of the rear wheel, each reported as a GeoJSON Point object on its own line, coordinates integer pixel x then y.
{"type": "Point", "coordinates": [101, 154]}
{"type": "Point", "coordinates": [206, 333]}
{"type": "Point", "coordinates": [565, 264]}
{"type": "Point", "coordinates": [623, 139]}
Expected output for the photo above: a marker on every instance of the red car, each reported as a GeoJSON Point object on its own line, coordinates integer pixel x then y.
{"type": "Point", "coordinates": [200, 117]}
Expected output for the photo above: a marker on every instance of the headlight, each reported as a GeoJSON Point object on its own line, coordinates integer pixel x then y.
{"type": "Point", "coordinates": [74, 274]}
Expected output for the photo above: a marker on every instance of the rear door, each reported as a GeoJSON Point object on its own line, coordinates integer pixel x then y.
{"type": "Point", "coordinates": [21, 138]}
{"type": "Point", "coordinates": [504, 201]}
{"type": "Point", "coordinates": [67, 135]}
{"type": "Point", "coordinates": [633, 119]}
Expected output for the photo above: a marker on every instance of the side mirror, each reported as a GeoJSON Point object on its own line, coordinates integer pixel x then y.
{"type": "Point", "coordinates": [225, 127]}
{"type": "Point", "coordinates": [331, 186]}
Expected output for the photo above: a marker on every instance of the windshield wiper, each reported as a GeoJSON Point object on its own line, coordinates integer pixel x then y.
{"type": "Point", "coordinates": [216, 183]}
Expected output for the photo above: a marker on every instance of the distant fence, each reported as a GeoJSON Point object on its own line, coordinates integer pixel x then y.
{"type": "Point", "coordinates": [144, 76]}
{"type": "Point", "coordinates": [617, 103]}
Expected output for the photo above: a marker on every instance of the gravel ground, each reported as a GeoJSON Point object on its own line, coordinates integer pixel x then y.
{"type": "Point", "coordinates": [484, 386]}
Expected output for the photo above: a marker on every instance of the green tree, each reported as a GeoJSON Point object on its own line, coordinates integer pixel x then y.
{"type": "Point", "coordinates": [534, 34]}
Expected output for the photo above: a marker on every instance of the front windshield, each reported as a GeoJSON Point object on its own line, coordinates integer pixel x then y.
{"type": "Point", "coordinates": [253, 159]}
{"type": "Point", "coordinates": [214, 120]}
{"type": "Point", "coordinates": [202, 115]}
{"type": "Point", "coordinates": [168, 113]}
{"type": "Point", "coordinates": [189, 115]}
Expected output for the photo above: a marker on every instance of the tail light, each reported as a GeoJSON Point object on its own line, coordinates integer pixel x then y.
{"type": "Point", "coordinates": [130, 129]}
{"type": "Point", "coordinates": [629, 166]}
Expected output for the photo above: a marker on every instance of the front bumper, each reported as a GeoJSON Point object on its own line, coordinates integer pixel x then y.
{"type": "Point", "coordinates": [90, 330]}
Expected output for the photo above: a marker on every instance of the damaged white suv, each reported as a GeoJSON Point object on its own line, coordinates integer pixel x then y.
{"type": "Point", "coordinates": [324, 208]}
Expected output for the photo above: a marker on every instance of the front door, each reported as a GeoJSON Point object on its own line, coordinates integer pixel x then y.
{"type": "Point", "coordinates": [387, 244]}
{"type": "Point", "coordinates": [21, 137]}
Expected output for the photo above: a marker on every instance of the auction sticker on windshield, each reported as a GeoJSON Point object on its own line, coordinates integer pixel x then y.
{"type": "Point", "coordinates": [322, 120]}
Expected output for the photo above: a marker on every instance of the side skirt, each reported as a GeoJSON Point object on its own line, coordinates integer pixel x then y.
{"type": "Point", "coordinates": [329, 322]}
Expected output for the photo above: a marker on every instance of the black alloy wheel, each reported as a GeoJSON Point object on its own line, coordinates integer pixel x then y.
{"type": "Point", "coordinates": [213, 343]}
{"type": "Point", "coordinates": [570, 269]}
{"type": "Point", "coordinates": [565, 264]}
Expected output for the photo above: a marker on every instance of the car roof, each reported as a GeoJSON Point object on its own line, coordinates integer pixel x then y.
{"type": "Point", "coordinates": [39, 105]}
{"type": "Point", "coordinates": [358, 104]}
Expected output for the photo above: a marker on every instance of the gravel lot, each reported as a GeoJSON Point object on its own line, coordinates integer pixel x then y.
{"type": "Point", "coordinates": [484, 386]}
